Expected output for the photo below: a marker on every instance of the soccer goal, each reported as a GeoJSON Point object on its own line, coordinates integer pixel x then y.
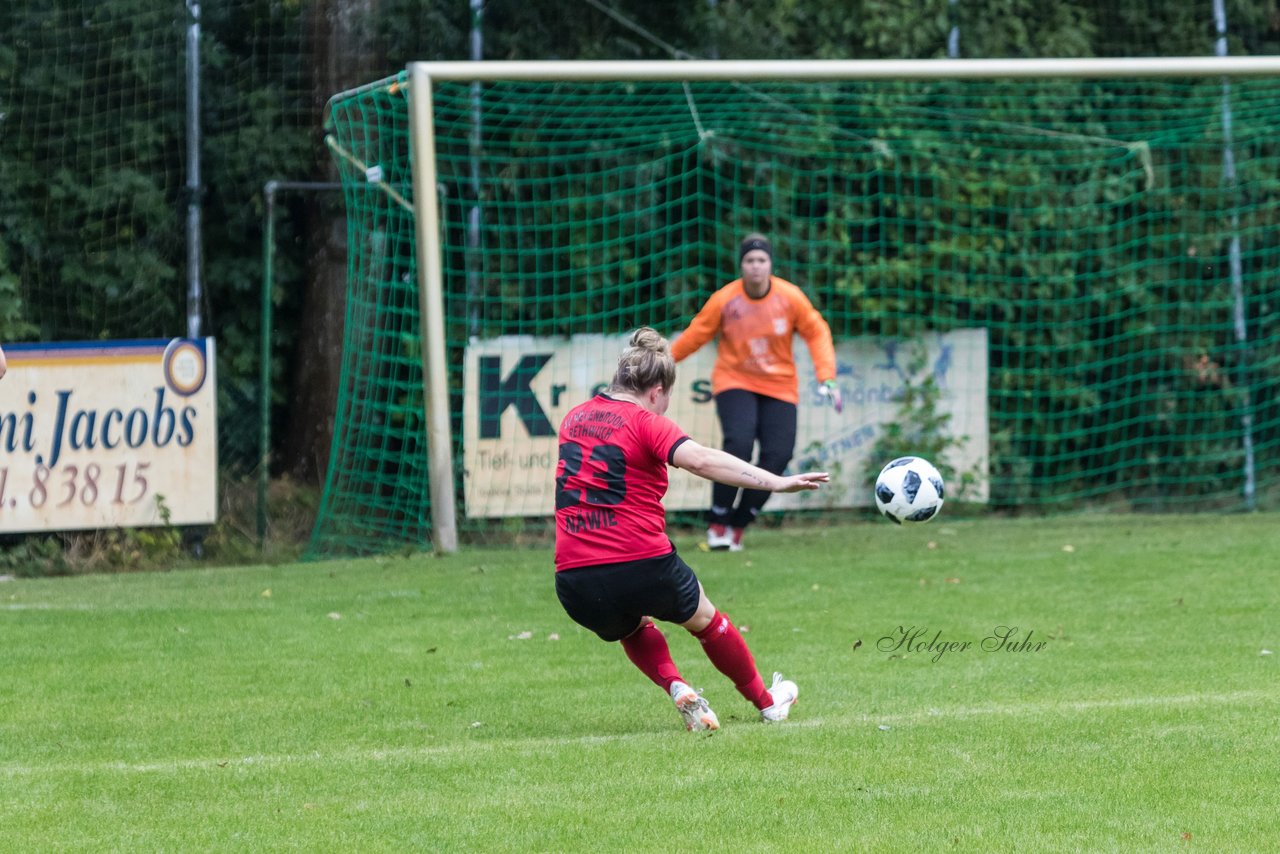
{"type": "Point", "coordinates": [1062, 273]}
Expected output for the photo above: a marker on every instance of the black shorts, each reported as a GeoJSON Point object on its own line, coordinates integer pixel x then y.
{"type": "Point", "coordinates": [611, 598]}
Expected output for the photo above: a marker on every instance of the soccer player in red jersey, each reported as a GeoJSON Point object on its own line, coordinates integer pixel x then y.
{"type": "Point", "coordinates": [616, 569]}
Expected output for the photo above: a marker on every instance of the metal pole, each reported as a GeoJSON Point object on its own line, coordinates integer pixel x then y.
{"type": "Point", "coordinates": [267, 321]}
{"type": "Point", "coordinates": [473, 216]}
{"type": "Point", "coordinates": [435, 377]}
{"type": "Point", "coordinates": [195, 294]}
{"type": "Point", "coordinates": [953, 36]}
{"type": "Point", "coordinates": [264, 360]}
{"type": "Point", "coordinates": [1233, 260]}
{"type": "Point", "coordinates": [713, 50]}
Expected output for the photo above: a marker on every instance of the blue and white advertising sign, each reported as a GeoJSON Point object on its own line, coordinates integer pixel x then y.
{"type": "Point", "coordinates": [108, 434]}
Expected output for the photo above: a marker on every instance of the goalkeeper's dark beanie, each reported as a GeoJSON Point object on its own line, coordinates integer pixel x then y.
{"type": "Point", "coordinates": [752, 241]}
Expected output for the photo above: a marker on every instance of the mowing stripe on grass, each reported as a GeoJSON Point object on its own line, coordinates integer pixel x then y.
{"type": "Point", "coordinates": [16, 769]}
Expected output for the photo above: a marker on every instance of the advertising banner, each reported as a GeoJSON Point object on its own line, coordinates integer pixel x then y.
{"type": "Point", "coordinates": [518, 388]}
{"type": "Point", "coordinates": [107, 434]}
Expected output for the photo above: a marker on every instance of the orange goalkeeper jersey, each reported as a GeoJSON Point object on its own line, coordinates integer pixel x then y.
{"type": "Point", "coordinates": [755, 339]}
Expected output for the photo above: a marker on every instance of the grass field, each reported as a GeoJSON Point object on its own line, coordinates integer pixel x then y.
{"type": "Point", "coordinates": [447, 704]}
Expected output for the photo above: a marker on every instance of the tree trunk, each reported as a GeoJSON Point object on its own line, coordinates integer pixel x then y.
{"type": "Point", "coordinates": [346, 55]}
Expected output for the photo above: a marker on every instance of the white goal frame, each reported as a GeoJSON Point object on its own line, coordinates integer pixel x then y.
{"type": "Point", "coordinates": [423, 75]}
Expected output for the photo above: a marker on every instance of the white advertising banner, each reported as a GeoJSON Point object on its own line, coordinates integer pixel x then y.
{"type": "Point", "coordinates": [108, 434]}
{"type": "Point", "coordinates": [518, 388]}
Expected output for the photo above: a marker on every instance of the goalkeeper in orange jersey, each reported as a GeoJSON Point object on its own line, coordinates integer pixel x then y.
{"type": "Point", "coordinates": [754, 380]}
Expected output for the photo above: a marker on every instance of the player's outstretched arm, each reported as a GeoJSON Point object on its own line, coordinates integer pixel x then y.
{"type": "Point", "coordinates": [719, 466]}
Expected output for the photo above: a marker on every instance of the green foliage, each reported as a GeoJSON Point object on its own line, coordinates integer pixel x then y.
{"type": "Point", "coordinates": [290, 515]}
{"type": "Point", "coordinates": [12, 325]}
{"type": "Point", "coordinates": [258, 113]}
{"type": "Point", "coordinates": [107, 550]}
{"type": "Point", "coordinates": [125, 549]}
{"type": "Point", "coordinates": [232, 540]}
{"type": "Point", "coordinates": [32, 557]}
{"type": "Point", "coordinates": [90, 198]}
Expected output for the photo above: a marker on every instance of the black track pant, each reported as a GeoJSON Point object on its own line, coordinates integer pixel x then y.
{"type": "Point", "coordinates": [747, 418]}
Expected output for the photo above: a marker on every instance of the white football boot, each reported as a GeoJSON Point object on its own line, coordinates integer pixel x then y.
{"type": "Point", "coordinates": [695, 711]}
{"type": "Point", "coordinates": [719, 538]}
{"type": "Point", "coordinates": [784, 693]}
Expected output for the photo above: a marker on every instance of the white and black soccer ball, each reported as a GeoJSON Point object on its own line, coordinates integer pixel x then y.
{"type": "Point", "coordinates": [909, 489]}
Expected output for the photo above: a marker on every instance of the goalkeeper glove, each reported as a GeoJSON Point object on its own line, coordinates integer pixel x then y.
{"type": "Point", "coordinates": [831, 391]}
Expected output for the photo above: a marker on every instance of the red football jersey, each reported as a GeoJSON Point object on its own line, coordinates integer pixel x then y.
{"type": "Point", "coordinates": [610, 481]}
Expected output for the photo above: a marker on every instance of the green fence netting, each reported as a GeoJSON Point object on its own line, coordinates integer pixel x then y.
{"type": "Point", "coordinates": [1118, 240]}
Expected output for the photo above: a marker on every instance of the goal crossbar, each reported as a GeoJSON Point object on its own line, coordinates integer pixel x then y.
{"type": "Point", "coordinates": [851, 69]}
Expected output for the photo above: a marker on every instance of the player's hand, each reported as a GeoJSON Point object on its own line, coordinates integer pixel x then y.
{"type": "Point", "coordinates": [802, 482]}
{"type": "Point", "coordinates": [831, 391]}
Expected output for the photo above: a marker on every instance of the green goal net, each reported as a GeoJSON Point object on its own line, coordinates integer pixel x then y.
{"type": "Point", "coordinates": [1116, 243]}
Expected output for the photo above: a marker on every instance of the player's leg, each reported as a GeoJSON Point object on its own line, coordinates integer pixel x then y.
{"type": "Point", "coordinates": [609, 600]}
{"type": "Point", "coordinates": [647, 649]}
{"type": "Point", "coordinates": [738, 414]}
{"type": "Point", "coordinates": [671, 593]}
{"type": "Point", "coordinates": [612, 599]}
{"type": "Point", "coordinates": [728, 651]}
{"type": "Point", "coordinates": [776, 430]}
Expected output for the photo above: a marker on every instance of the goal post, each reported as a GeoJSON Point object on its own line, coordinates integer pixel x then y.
{"type": "Point", "coordinates": [431, 299]}
{"type": "Point", "coordinates": [936, 222]}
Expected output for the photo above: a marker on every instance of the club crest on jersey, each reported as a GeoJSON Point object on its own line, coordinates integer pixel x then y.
{"type": "Point", "coordinates": [779, 326]}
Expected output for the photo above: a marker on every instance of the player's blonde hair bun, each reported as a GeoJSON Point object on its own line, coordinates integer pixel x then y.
{"type": "Point", "coordinates": [645, 362]}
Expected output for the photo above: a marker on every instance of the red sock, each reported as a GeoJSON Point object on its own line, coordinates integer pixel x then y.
{"type": "Point", "coordinates": [647, 649]}
{"type": "Point", "coordinates": [728, 652]}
